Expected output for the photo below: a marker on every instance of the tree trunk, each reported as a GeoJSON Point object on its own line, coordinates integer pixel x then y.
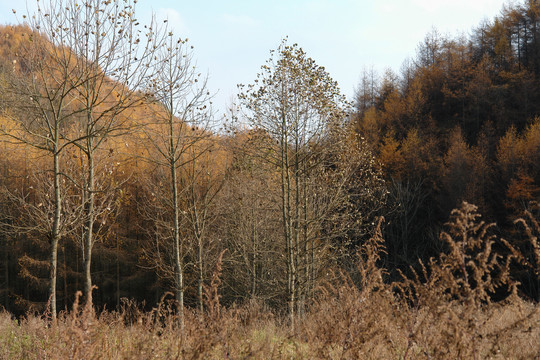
{"type": "Point", "coordinates": [254, 256]}
{"type": "Point", "coordinates": [297, 220]}
{"type": "Point", "coordinates": [179, 271]}
{"type": "Point", "coordinates": [287, 226]}
{"type": "Point", "coordinates": [306, 257]}
{"type": "Point", "coordinates": [89, 227]}
{"type": "Point", "coordinates": [117, 274]}
{"type": "Point", "coordinates": [198, 228]}
{"type": "Point", "coordinates": [201, 274]}
{"type": "Point", "coordinates": [6, 262]}
{"type": "Point", "coordinates": [55, 236]}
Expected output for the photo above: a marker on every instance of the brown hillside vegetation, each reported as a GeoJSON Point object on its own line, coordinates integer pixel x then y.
{"type": "Point", "coordinates": [458, 123]}
{"type": "Point", "coordinates": [132, 227]}
{"type": "Point", "coordinates": [447, 314]}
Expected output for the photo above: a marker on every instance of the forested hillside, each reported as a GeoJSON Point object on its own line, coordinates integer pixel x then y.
{"type": "Point", "coordinates": [118, 180]}
{"type": "Point", "coordinates": [459, 122]}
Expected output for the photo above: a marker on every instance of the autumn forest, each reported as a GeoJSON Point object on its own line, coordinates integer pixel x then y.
{"type": "Point", "coordinates": [122, 190]}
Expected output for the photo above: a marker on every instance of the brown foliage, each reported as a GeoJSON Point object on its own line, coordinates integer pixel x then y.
{"type": "Point", "coordinates": [443, 313]}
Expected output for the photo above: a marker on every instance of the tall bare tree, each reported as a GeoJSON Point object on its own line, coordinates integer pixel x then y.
{"type": "Point", "coordinates": [176, 136]}
{"type": "Point", "coordinates": [81, 67]}
{"type": "Point", "coordinates": [114, 58]}
{"type": "Point", "coordinates": [43, 88]}
{"type": "Point", "coordinates": [296, 106]}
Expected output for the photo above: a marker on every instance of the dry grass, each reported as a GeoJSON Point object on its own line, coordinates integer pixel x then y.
{"type": "Point", "coordinates": [445, 312]}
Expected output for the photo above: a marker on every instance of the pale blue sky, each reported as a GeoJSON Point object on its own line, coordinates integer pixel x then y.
{"type": "Point", "coordinates": [232, 38]}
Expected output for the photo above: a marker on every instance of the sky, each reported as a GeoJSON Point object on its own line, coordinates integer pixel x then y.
{"type": "Point", "coordinates": [233, 38]}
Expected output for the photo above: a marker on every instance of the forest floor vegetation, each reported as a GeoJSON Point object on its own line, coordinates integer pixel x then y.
{"type": "Point", "coordinates": [444, 311]}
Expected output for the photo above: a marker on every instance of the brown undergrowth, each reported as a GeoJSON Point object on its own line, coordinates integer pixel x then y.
{"type": "Point", "coordinates": [445, 311]}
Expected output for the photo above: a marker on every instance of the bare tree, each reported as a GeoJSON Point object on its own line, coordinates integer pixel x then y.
{"type": "Point", "coordinates": [202, 178]}
{"type": "Point", "coordinates": [80, 67]}
{"type": "Point", "coordinates": [114, 57]}
{"type": "Point", "coordinates": [43, 89]}
{"type": "Point", "coordinates": [175, 137]}
{"type": "Point", "coordinates": [296, 105]}
{"type": "Point", "coordinates": [250, 226]}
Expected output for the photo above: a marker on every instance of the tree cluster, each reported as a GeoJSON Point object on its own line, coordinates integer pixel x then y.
{"type": "Point", "coordinates": [116, 181]}
{"type": "Point", "coordinates": [458, 123]}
